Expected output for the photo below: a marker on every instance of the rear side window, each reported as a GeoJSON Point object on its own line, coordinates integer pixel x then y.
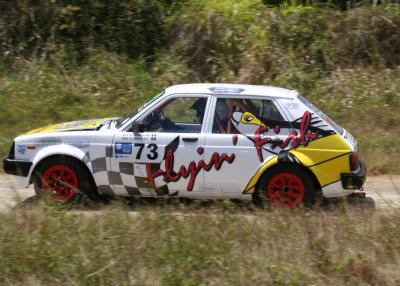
{"type": "Point", "coordinates": [230, 112]}
{"type": "Point", "coordinates": [325, 117]}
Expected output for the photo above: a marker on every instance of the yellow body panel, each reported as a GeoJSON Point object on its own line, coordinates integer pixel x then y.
{"type": "Point", "coordinates": [329, 171]}
{"type": "Point", "coordinates": [68, 126]}
{"type": "Point", "coordinates": [321, 150]}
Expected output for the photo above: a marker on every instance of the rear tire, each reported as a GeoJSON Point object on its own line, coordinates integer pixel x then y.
{"type": "Point", "coordinates": [285, 186]}
{"type": "Point", "coordinates": [63, 178]}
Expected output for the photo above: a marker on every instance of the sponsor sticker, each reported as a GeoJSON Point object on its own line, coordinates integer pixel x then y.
{"type": "Point", "coordinates": [21, 149]}
{"type": "Point", "coordinates": [123, 148]}
{"type": "Point", "coordinates": [79, 144]}
{"type": "Point", "coordinates": [292, 105]}
{"type": "Point", "coordinates": [226, 90]}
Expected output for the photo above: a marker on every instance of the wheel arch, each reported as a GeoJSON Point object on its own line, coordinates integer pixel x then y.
{"type": "Point", "coordinates": [59, 156]}
{"type": "Point", "coordinates": [312, 176]}
{"type": "Point", "coordinates": [54, 151]}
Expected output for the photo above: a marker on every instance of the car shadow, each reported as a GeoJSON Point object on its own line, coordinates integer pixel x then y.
{"type": "Point", "coordinates": [132, 204]}
{"type": "Point", "coordinates": [82, 203]}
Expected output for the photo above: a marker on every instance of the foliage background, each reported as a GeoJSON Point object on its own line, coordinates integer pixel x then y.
{"type": "Point", "coordinates": [69, 60]}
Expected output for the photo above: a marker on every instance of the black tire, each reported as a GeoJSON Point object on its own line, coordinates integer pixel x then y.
{"type": "Point", "coordinates": [64, 178]}
{"type": "Point", "coordinates": [285, 186]}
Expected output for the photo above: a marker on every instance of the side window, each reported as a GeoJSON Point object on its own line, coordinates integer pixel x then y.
{"type": "Point", "coordinates": [233, 115]}
{"type": "Point", "coordinates": [180, 114]}
{"type": "Point", "coordinates": [267, 110]}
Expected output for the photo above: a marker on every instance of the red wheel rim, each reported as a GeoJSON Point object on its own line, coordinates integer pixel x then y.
{"type": "Point", "coordinates": [60, 181]}
{"type": "Point", "coordinates": [286, 190]}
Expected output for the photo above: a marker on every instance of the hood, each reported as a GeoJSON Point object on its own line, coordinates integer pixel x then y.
{"type": "Point", "coordinates": [89, 124]}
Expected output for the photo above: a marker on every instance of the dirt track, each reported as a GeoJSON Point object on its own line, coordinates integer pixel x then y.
{"type": "Point", "coordinates": [385, 190]}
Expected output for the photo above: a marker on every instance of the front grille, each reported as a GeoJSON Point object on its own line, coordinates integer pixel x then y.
{"type": "Point", "coordinates": [11, 155]}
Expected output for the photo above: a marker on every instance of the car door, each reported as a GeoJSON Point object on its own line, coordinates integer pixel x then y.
{"type": "Point", "coordinates": [159, 156]}
{"type": "Point", "coordinates": [248, 129]}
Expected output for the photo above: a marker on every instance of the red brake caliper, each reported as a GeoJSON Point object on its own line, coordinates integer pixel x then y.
{"type": "Point", "coordinates": [60, 181]}
{"type": "Point", "coordinates": [286, 190]}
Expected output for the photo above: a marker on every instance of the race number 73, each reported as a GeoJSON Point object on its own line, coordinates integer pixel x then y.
{"type": "Point", "coordinates": [150, 151]}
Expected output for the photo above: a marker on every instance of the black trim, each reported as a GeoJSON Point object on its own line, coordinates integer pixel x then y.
{"type": "Point", "coordinates": [16, 167]}
{"type": "Point", "coordinates": [329, 160]}
{"type": "Point", "coordinates": [11, 154]}
{"type": "Point", "coordinates": [355, 180]}
{"type": "Point", "coordinates": [286, 157]}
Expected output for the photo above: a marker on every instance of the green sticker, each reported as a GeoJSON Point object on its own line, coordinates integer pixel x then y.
{"type": "Point", "coordinates": [158, 95]}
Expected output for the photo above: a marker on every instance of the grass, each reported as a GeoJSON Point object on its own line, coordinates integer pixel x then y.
{"type": "Point", "coordinates": [48, 244]}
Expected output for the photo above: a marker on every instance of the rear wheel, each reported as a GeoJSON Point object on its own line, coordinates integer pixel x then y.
{"type": "Point", "coordinates": [63, 178]}
{"type": "Point", "coordinates": [285, 186]}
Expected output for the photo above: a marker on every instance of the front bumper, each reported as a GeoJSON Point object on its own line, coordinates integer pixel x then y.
{"type": "Point", "coordinates": [355, 180]}
{"type": "Point", "coordinates": [16, 167]}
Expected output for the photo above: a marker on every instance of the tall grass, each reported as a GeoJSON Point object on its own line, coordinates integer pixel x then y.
{"type": "Point", "coordinates": [47, 244]}
{"type": "Point", "coordinates": [227, 40]}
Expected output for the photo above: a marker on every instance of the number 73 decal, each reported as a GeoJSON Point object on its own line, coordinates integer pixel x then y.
{"type": "Point", "coordinates": [150, 150]}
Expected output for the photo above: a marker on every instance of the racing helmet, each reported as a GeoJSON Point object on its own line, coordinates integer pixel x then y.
{"type": "Point", "coordinates": [222, 110]}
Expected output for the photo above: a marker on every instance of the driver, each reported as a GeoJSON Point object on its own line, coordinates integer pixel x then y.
{"type": "Point", "coordinates": [200, 107]}
{"type": "Point", "coordinates": [221, 110]}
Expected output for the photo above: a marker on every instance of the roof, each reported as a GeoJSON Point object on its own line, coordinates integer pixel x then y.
{"type": "Point", "coordinates": [222, 88]}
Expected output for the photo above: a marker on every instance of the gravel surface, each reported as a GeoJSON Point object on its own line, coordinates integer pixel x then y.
{"type": "Point", "coordinates": [384, 189]}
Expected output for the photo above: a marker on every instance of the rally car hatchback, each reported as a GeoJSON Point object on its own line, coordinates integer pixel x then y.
{"type": "Point", "coordinates": [197, 141]}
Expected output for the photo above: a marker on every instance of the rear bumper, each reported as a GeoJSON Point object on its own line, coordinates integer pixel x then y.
{"type": "Point", "coordinates": [355, 180]}
{"type": "Point", "coordinates": [17, 167]}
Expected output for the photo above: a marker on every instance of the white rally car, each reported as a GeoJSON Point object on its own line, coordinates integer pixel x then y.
{"type": "Point", "coordinates": [197, 141]}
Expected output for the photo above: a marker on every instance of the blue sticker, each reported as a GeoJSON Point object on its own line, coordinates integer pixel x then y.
{"type": "Point", "coordinates": [79, 144]}
{"type": "Point", "coordinates": [21, 149]}
{"type": "Point", "coordinates": [123, 148]}
{"type": "Point", "coordinates": [226, 90]}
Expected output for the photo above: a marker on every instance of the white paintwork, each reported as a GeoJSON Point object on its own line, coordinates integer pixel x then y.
{"type": "Point", "coordinates": [335, 190]}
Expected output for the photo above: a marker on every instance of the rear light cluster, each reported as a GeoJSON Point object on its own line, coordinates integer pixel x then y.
{"type": "Point", "coordinates": [354, 162]}
{"type": "Point", "coordinates": [11, 155]}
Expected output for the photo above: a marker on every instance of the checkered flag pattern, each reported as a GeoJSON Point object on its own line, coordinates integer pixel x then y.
{"type": "Point", "coordinates": [129, 179]}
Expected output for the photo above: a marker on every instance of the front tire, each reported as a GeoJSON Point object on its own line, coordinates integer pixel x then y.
{"type": "Point", "coordinates": [285, 186]}
{"type": "Point", "coordinates": [63, 178]}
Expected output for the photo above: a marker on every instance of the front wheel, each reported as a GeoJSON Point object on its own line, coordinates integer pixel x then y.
{"type": "Point", "coordinates": [63, 178]}
{"type": "Point", "coordinates": [286, 186]}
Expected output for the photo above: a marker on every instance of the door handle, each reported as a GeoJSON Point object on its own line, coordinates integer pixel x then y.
{"type": "Point", "coordinates": [190, 139]}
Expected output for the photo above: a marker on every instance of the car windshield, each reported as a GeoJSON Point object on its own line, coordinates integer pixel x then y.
{"type": "Point", "coordinates": [125, 119]}
{"type": "Point", "coordinates": [325, 117]}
